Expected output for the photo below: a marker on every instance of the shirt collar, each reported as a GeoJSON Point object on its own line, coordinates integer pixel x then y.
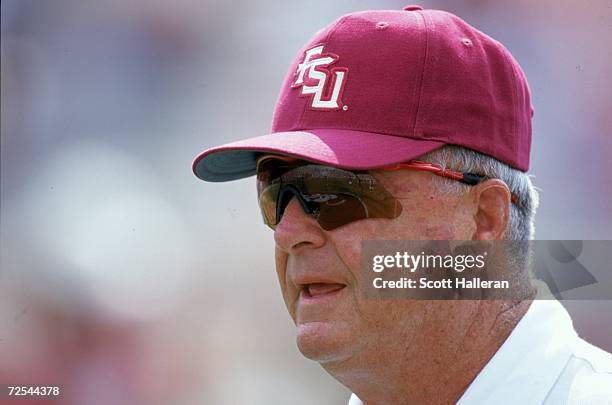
{"type": "Point", "coordinates": [527, 365]}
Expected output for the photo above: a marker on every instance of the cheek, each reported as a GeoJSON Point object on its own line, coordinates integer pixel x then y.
{"type": "Point", "coordinates": [451, 220]}
{"type": "Point", "coordinates": [348, 248]}
{"type": "Point", "coordinates": [433, 218]}
{"type": "Point", "coordinates": [347, 242]}
{"type": "Point", "coordinates": [281, 272]}
{"type": "Point", "coordinates": [281, 264]}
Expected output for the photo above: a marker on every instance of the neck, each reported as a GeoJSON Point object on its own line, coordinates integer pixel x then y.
{"type": "Point", "coordinates": [437, 365]}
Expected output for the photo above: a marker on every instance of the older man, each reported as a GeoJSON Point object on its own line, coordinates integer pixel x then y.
{"type": "Point", "coordinates": [408, 125]}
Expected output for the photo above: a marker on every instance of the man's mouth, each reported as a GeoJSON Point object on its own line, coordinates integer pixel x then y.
{"type": "Point", "coordinates": [315, 290]}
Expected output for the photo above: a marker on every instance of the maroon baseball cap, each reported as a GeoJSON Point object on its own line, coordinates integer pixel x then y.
{"type": "Point", "coordinates": [380, 87]}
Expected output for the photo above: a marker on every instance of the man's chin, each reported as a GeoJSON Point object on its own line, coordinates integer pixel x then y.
{"type": "Point", "coordinates": [325, 341]}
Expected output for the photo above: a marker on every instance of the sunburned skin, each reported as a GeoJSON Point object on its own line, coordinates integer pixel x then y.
{"type": "Point", "coordinates": [391, 352]}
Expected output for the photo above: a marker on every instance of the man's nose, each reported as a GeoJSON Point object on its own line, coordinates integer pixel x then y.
{"type": "Point", "coordinates": [298, 230]}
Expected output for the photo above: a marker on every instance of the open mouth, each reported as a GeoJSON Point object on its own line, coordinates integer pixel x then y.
{"type": "Point", "coordinates": [314, 290]}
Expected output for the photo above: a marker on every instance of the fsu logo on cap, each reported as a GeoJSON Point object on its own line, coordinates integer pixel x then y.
{"type": "Point", "coordinates": [315, 79]}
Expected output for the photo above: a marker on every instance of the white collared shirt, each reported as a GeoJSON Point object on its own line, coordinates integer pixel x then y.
{"type": "Point", "coordinates": [543, 362]}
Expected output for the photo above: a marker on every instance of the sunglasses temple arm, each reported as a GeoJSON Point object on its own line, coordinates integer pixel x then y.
{"type": "Point", "coordinates": [465, 178]}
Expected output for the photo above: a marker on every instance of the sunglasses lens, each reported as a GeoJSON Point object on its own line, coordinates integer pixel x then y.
{"type": "Point", "coordinates": [267, 204]}
{"type": "Point", "coordinates": [341, 210]}
{"type": "Point", "coordinates": [334, 197]}
{"type": "Point", "coordinates": [331, 210]}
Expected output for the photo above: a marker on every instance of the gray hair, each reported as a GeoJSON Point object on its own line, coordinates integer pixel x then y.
{"type": "Point", "coordinates": [521, 223]}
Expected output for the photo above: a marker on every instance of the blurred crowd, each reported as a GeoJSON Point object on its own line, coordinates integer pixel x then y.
{"type": "Point", "coordinates": [125, 279]}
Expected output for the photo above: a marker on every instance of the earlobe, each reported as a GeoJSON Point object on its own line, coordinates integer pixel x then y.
{"type": "Point", "coordinates": [492, 214]}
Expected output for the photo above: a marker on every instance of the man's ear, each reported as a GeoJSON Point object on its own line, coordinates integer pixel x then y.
{"type": "Point", "coordinates": [492, 209]}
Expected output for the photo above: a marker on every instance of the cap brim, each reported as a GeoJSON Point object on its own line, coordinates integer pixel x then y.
{"type": "Point", "coordinates": [353, 150]}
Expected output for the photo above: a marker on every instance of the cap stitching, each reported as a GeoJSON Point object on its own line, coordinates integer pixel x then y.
{"type": "Point", "coordinates": [509, 62]}
{"type": "Point", "coordinates": [370, 130]}
{"type": "Point", "coordinates": [422, 78]}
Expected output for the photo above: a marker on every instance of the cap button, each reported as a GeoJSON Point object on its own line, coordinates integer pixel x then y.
{"type": "Point", "coordinates": [413, 8]}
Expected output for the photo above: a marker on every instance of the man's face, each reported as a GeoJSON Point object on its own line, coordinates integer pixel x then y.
{"type": "Point", "coordinates": [318, 271]}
